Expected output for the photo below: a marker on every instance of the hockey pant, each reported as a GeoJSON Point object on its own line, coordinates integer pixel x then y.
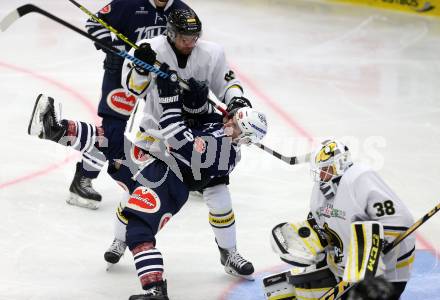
{"type": "Point", "coordinates": [114, 107]}
{"type": "Point", "coordinates": [148, 209]}
{"type": "Point", "coordinates": [94, 160]}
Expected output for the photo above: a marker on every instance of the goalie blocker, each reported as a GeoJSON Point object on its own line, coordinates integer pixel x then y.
{"type": "Point", "coordinates": [301, 245]}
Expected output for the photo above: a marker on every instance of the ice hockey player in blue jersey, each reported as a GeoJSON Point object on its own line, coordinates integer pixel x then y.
{"type": "Point", "coordinates": [137, 20]}
{"type": "Point", "coordinates": [189, 159]}
{"type": "Point", "coordinates": [183, 49]}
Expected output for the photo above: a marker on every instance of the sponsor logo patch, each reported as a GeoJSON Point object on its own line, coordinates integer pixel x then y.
{"type": "Point", "coordinates": [106, 9]}
{"type": "Point", "coordinates": [165, 218]}
{"type": "Point", "coordinates": [199, 145]}
{"type": "Point", "coordinates": [141, 11]}
{"type": "Point", "coordinates": [120, 102]}
{"type": "Point", "coordinates": [139, 155]}
{"type": "Point", "coordinates": [144, 199]}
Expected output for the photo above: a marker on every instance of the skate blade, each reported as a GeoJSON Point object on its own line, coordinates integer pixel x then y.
{"type": "Point", "coordinates": [82, 202]}
{"type": "Point", "coordinates": [35, 126]}
{"type": "Point", "coordinates": [233, 273]}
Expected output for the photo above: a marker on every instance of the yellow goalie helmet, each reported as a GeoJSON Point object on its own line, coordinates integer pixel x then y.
{"type": "Point", "coordinates": [330, 160]}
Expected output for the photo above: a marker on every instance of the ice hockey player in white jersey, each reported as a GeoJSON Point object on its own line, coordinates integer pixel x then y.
{"type": "Point", "coordinates": [353, 213]}
{"type": "Point", "coordinates": [193, 59]}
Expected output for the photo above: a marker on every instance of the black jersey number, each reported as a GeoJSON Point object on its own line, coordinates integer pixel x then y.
{"type": "Point", "coordinates": [385, 208]}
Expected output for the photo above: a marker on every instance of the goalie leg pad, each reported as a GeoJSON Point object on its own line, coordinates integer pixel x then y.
{"type": "Point", "coordinates": [311, 283]}
{"type": "Point", "coordinates": [364, 258]}
{"type": "Point", "coordinates": [277, 287]}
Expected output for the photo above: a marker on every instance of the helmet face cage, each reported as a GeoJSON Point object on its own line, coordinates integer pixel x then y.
{"type": "Point", "coordinates": [183, 22]}
{"type": "Point", "coordinates": [330, 161]}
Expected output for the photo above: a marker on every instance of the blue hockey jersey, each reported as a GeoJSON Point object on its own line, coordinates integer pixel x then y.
{"type": "Point", "coordinates": [135, 19]}
{"type": "Point", "coordinates": [197, 154]}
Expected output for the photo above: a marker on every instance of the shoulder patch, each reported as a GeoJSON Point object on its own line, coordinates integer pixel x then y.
{"type": "Point", "coordinates": [106, 9]}
{"type": "Point", "coordinates": [199, 145]}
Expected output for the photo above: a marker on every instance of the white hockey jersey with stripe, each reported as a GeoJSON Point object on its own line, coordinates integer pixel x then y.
{"type": "Point", "coordinates": [207, 62]}
{"type": "Point", "coordinates": [361, 196]}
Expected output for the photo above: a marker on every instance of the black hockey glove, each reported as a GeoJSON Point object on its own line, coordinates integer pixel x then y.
{"type": "Point", "coordinates": [236, 103]}
{"type": "Point", "coordinates": [146, 54]}
{"type": "Point", "coordinates": [169, 89]}
{"type": "Point", "coordinates": [195, 101]}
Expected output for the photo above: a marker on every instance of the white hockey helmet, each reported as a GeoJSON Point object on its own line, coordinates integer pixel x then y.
{"type": "Point", "coordinates": [253, 125]}
{"type": "Point", "coordinates": [330, 160]}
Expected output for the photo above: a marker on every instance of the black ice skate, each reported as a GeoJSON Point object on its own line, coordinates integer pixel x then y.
{"type": "Point", "coordinates": [45, 121]}
{"type": "Point", "coordinates": [82, 192]}
{"type": "Point", "coordinates": [114, 252]}
{"type": "Point", "coordinates": [158, 292]}
{"type": "Point", "coordinates": [235, 264]}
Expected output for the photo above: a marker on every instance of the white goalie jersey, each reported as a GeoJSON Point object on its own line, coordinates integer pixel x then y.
{"type": "Point", "coordinates": [207, 62]}
{"type": "Point", "coordinates": [363, 196]}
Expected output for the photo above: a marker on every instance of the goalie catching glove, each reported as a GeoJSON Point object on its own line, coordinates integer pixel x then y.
{"type": "Point", "coordinates": [298, 243]}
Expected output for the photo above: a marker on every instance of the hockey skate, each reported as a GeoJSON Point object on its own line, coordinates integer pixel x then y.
{"type": "Point", "coordinates": [235, 264]}
{"type": "Point", "coordinates": [158, 292]}
{"type": "Point", "coordinates": [45, 121]}
{"type": "Point", "coordinates": [82, 193]}
{"type": "Point", "coordinates": [114, 252]}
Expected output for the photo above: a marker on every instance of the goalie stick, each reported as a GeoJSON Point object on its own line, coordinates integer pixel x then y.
{"type": "Point", "coordinates": [343, 287]}
{"type": "Point", "coordinates": [292, 160]}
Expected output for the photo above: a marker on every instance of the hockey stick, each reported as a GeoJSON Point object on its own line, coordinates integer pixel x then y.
{"type": "Point", "coordinates": [29, 8]}
{"type": "Point", "coordinates": [290, 160]}
{"type": "Point", "coordinates": [343, 287]}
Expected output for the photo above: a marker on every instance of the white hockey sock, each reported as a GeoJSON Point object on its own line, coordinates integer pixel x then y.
{"type": "Point", "coordinates": [224, 229]}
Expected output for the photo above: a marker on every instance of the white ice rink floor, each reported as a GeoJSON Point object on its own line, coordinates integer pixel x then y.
{"type": "Point", "coordinates": [367, 76]}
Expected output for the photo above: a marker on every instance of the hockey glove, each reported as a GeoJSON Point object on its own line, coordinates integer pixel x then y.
{"type": "Point", "coordinates": [195, 101]}
{"type": "Point", "coordinates": [169, 89]}
{"type": "Point", "coordinates": [146, 54]}
{"type": "Point", "coordinates": [236, 103]}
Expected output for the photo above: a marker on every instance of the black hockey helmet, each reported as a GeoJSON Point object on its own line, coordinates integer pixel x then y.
{"type": "Point", "coordinates": [183, 21]}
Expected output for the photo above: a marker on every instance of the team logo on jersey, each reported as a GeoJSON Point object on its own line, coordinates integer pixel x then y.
{"type": "Point", "coordinates": [199, 145]}
{"type": "Point", "coordinates": [106, 9]}
{"type": "Point", "coordinates": [120, 102]}
{"type": "Point", "coordinates": [329, 211]}
{"type": "Point", "coordinates": [164, 219]}
{"type": "Point", "coordinates": [145, 200]}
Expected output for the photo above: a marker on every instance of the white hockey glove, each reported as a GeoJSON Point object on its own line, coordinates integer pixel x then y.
{"type": "Point", "coordinates": [297, 243]}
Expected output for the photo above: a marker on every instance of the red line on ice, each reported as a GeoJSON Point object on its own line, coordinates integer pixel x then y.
{"type": "Point", "coordinates": [90, 107]}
